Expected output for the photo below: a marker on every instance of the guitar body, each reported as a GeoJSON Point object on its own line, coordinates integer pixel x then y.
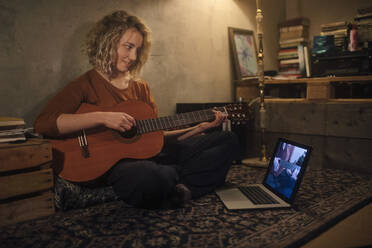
{"type": "Point", "coordinates": [106, 146]}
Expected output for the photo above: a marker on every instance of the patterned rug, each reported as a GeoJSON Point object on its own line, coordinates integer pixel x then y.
{"type": "Point", "coordinates": [325, 198]}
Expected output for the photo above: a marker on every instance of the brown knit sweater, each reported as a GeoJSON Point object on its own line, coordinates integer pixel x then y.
{"type": "Point", "coordinates": [90, 88]}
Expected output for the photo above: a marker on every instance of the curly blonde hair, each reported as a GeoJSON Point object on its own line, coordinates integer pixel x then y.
{"type": "Point", "coordinates": [102, 41]}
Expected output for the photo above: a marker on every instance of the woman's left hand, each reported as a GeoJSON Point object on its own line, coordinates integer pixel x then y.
{"type": "Point", "coordinates": [219, 119]}
{"type": "Point", "coordinates": [200, 128]}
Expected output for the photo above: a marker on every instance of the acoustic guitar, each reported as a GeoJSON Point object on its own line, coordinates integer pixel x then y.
{"type": "Point", "coordinates": [86, 155]}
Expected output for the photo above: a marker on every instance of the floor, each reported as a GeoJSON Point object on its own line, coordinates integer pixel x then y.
{"type": "Point", "coordinates": [354, 231]}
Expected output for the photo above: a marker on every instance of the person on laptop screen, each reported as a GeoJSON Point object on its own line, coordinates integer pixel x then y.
{"type": "Point", "coordinates": [287, 164]}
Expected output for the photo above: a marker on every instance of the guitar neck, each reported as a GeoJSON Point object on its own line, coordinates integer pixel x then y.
{"type": "Point", "coordinates": [176, 121]}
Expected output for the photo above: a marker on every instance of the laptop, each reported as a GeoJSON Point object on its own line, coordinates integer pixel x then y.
{"type": "Point", "coordinates": [280, 184]}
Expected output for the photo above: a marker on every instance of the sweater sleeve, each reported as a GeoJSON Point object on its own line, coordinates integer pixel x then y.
{"type": "Point", "coordinates": [66, 101]}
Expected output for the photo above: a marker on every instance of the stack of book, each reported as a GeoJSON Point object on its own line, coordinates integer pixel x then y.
{"type": "Point", "coordinates": [12, 129]}
{"type": "Point", "coordinates": [363, 21]}
{"type": "Point", "coordinates": [293, 49]}
{"type": "Point", "coordinates": [340, 32]}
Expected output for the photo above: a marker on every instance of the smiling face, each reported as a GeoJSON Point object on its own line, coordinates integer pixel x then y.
{"type": "Point", "coordinates": [127, 51]}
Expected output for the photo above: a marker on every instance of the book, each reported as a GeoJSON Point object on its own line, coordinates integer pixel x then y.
{"type": "Point", "coordinates": [289, 61]}
{"type": "Point", "coordinates": [18, 134]}
{"type": "Point", "coordinates": [299, 66]}
{"type": "Point", "coordinates": [338, 32]}
{"type": "Point", "coordinates": [295, 22]}
{"type": "Point", "coordinates": [293, 71]}
{"type": "Point", "coordinates": [364, 22]}
{"type": "Point", "coordinates": [11, 136]}
{"type": "Point", "coordinates": [5, 120]}
{"type": "Point", "coordinates": [334, 28]}
{"type": "Point", "coordinates": [304, 60]}
{"type": "Point", "coordinates": [365, 32]}
{"type": "Point", "coordinates": [293, 28]}
{"type": "Point", "coordinates": [363, 16]}
{"type": "Point", "coordinates": [7, 123]}
{"type": "Point", "coordinates": [289, 45]}
{"type": "Point", "coordinates": [296, 40]}
{"type": "Point", "coordinates": [334, 25]}
{"type": "Point", "coordinates": [287, 56]}
{"type": "Point", "coordinates": [286, 77]}
{"type": "Point", "coordinates": [289, 67]}
{"type": "Point", "coordinates": [287, 53]}
{"type": "Point", "coordinates": [301, 59]}
{"type": "Point", "coordinates": [12, 129]}
{"type": "Point", "coordinates": [307, 61]}
{"type": "Point", "coordinates": [293, 35]}
{"type": "Point", "coordinates": [365, 10]}
{"type": "Point", "coordinates": [288, 50]}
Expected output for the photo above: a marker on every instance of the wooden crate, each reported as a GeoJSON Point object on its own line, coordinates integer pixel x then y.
{"type": "Point", "coordinates": [27, 209]}
{"type": "Point", "coordinates": [29, 154]}
{"type": "Point", "coordinates": [26, 181]}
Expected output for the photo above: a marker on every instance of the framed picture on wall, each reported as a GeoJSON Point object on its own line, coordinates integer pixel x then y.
{"type": "Point", "coordinates": [243, 44]}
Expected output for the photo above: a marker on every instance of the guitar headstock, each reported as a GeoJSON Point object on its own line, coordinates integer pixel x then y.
{"type": "Point", "coordinates": [239, 113]}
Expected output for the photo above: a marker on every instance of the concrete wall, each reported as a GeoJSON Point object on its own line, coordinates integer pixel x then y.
{"type": "Point", "coordinates": [190, 60]}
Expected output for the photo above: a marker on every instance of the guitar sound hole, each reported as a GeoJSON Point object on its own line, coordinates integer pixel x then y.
{"type": "Point", "coordinates": [130, 133]}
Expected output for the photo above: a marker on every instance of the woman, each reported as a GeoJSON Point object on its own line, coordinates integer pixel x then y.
{"type": "Point", "coordinates": [190, 164]}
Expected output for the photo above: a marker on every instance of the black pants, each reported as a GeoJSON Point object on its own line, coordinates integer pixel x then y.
{"type": "Point", "coordinates": [200, 162]}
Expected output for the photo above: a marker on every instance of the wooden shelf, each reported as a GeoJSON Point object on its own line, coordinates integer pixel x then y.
{"type": "Point", "coordinates": [322, 88]}
{"type": "Point", "coordinates": [319, 80]}
{"type": "Point", "coordinates": [318, 88]}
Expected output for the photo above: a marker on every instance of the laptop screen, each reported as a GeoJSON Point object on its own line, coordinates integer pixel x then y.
{"type": "Point", "coordinates": [286, 169]}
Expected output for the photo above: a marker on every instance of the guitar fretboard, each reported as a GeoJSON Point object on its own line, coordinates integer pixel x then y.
{"type": "Point", "coordinates": [176, 121]}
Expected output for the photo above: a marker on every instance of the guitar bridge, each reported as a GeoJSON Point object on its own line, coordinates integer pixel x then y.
{"type": "Point", "coordinates": [83, 143]}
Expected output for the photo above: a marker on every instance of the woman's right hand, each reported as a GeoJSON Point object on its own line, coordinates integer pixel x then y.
{"type": "Point", "coordinates": [118, 120]}
{"type": "Point", "coordinates": [68, 123]}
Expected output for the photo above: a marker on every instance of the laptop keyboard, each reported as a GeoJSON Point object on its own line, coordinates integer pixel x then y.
{"type": "Point", "coordinates": [257, 195]}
